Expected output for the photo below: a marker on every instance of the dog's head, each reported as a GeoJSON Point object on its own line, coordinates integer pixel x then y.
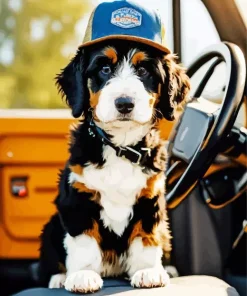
{"type": "Point", "coordinates": [123, 81]}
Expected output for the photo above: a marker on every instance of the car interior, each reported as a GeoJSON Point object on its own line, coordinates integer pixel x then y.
{"type": "Point", "coordinates": [206, 175]}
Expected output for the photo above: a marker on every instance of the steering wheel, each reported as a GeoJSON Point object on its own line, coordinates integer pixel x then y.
{"type": "Point", "coordinates": [197, 137]}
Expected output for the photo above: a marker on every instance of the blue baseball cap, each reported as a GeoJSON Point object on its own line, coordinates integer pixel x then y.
{"type": "Point", "coordinates": [126, 20]}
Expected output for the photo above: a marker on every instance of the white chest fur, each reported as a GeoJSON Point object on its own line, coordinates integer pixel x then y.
{"type": "Point", "coordinates": [118, 181]}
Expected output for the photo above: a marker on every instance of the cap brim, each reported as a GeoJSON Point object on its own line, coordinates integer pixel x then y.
{"type": "Point", "coordinates": [128, 37]}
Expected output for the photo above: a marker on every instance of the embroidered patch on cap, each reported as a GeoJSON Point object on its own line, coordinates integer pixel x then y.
{"type": "Point", "coordinates": [126, 18]}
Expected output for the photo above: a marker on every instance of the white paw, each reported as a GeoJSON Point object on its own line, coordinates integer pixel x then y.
{"type": "Point", "coordinates": [83, 281]}
{"type": "Point", "coordinates": [57, 281]}
{"type": "Point", "coordinates": [150, 277]}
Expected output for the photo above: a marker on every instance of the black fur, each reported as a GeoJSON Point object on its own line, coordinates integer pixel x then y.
{"type": "Point", "coordinates": [175, 89]}
{"type": "Point", "coordinates": [77, 211]}
{"type": "Point", "coordinates": [76, 214]}
{"type": "Point", "coordinates": [52, 252]}
{"type": "Point", "coordinates": [72, 81]}
{"type": "Point", "coordinates": [85, 148]}
{"type": "Point", "coordinates": [73, 85]}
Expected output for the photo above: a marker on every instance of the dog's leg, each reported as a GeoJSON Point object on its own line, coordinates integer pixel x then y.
{"type": "Point", "coordinates": [51, 270]}
{"type": "Point", "coordinates": [83, 264]}
{"type": "Point", "coordinates": [144, 265]}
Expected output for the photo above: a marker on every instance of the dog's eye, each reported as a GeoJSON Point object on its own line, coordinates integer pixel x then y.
{"type": "Point", "coordinates": [106, 70]}
{"type": "Point", "coordinates": [141, 71]}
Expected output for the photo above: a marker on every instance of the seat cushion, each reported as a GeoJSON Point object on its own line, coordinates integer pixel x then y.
{"type": "Point", "coordinates": [181, 286]}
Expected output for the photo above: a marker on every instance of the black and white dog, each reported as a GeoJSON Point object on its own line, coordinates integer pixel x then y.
{"type": "Point", "coordinates": [111, 216]}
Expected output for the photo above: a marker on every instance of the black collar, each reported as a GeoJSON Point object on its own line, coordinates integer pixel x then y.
{"type": "Point", "coordinates": [135, 155]}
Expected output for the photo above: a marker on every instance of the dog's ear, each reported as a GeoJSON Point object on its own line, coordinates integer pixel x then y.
{"type": "Point", "coordinates": [175, 88]}
{"type": "Point", "coordinates": [72, 84]}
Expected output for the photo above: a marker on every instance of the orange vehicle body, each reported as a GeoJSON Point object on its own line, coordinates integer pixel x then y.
{"type": "Point", "coordinates": [33, 146]}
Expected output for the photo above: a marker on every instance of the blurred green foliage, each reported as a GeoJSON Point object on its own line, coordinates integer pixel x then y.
{"type": "Point", "coordinates": [37, 39]}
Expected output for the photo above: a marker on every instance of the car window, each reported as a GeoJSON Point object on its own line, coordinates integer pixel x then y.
{"type": "Point", "coordinates": [198, 32]}
{"type": "Point", "coordinates": [197, 29]}
{"type": "Point", "coordinates": [37, 40]}
{"type": "Point", "coordinates": [242, 7]}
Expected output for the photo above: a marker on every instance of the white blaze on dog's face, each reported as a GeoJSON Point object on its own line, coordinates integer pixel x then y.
{"type": "Point", "coordinates": [124, 96]}
{"type": "Point", "coordinates": [123, 86]}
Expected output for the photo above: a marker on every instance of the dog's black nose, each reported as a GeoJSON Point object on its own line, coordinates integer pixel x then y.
{"type": "Point", "coordinates": [124, 105]}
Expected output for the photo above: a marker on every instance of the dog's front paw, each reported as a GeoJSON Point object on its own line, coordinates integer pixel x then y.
{"type": "Point", "coordinates": [83, 281]}
{"type": "Point", "coordinates": [150, 277]}
{"type": "Point", "coordinates": [57, 281]}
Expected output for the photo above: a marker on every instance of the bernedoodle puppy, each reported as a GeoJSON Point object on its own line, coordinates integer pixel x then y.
{"type": "Point", "coordinates": [111, 214]}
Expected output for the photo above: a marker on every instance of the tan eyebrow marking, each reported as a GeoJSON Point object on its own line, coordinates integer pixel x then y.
{"type": "Point", "coordinates": [110, 52]}
{"type": "Point", "coordinates": [139, 57]}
